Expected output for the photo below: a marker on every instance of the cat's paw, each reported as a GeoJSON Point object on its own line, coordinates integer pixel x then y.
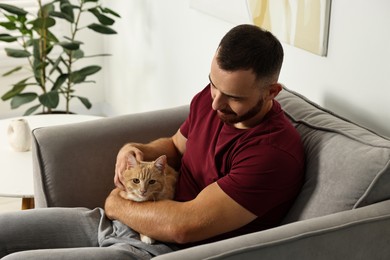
{"type": "Point", "coordinates": [147, 239]}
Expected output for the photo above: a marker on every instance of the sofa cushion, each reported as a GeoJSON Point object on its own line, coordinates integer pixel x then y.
{"type": "Point", "coordinates": [347, 166]}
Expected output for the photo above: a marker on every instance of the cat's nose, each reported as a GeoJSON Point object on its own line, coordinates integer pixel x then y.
{"type": "Point", "coordinates": [142, 192]}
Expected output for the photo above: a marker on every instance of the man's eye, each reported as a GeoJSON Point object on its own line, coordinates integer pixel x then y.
{"type": "Point", "coordinates": [236, 98]}
{"type": "Point", "coordinates": [136, 181]}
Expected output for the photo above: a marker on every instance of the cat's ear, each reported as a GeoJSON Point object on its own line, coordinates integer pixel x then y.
{"type": "Point", "coordinates": [131, 161]}
{"type": "Point", "coordinates": [160, 162]}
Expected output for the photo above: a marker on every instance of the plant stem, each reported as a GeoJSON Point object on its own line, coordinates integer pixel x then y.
{"type": "Point", "coordinates": [74, 30]}
{"type": "Point", "coordinates": [25, 32]}
{"type": "Point", "coordinates": [42, 51]}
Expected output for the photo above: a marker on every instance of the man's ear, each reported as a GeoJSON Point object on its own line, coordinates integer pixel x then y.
{"type": "Point", "coordinates": [274, 90]}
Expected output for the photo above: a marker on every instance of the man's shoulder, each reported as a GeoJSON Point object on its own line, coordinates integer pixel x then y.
{"type": "Point", "coordinates": [201, 98]}
{"type": "Point", "coordinates": [201, 105]}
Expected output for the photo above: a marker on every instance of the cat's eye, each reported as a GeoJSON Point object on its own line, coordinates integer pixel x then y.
{"type": "Point", "coordinates": [136, 181]}
{"type": "Point", "coordinates": [152, 181]}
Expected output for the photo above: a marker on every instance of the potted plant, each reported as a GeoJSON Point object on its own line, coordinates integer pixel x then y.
{"type": "Point", "coordinates": [52, 58]}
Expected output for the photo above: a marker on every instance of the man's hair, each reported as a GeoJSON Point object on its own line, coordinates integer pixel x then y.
{"type": "Point", "coordinates": [248, 47]}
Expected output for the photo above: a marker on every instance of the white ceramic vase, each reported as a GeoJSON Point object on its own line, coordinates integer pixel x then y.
{"type": "Point", "coordinates": [19, 135]}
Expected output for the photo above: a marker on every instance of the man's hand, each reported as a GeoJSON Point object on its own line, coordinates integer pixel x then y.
{"type": "Point", "coordinates": [122, 162]}
{"type": "Point", "coordinates": [113, 202]}
{"type": "Point", "coordinates": [173, 147]}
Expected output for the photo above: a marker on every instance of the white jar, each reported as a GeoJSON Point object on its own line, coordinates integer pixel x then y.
{"type": "Point", "coordinates": [19, 135]}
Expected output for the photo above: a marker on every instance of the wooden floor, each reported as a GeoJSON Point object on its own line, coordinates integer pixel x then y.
{"type": "Point", "coordinates": [10, 204]}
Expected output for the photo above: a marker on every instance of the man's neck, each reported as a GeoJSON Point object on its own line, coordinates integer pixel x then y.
{"type": "Point", "coordinates": [257, 119]}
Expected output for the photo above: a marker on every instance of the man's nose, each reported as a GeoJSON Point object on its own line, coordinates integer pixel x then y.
{"type": "Point", "coordinates": [218, 102]}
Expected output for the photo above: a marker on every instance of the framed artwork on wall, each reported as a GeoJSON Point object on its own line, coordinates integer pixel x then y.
{"type": "Point", "coordinates": [301, 23]}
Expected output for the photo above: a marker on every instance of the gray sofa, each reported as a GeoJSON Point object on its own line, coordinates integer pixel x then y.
{"type": "Point", "coordinates": [342, 212]}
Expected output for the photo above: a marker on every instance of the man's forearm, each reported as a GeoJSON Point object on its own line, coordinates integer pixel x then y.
{"type": "Point", "coordinates": [154, 219]}
{"type": "Point", "coordinates": [211, 213]}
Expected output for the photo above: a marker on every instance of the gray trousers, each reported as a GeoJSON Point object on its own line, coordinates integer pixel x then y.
{"type": "Point", "coordinates": [71, 233]}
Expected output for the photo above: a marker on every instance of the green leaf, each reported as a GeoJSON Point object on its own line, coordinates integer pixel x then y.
{"type": "Point", "coordinates": [109, 11]}
{"type": "Point", "coordinates": [46, 9]}
{"type": "Point", "coordinates": [103, 19]}
{"type": "Point", "coordinates": [50, 36]}
{"type": "Point", "coordinates": [13, 92]}
{"type": "Point", "coordinates": [98, 55]}
{"type": "Point", "coordinates": [67, 9]}
{"type": "Point", "coordinates": [24, 30]}
{"type": "Point", "coordinates": [17, 88]}
{"type": "Point", "coordinates": [80, 75]}
{"type": "Point", "coordinates": [85, 102]}
{"type": "Point", "coordinates": [61, 15]}
{"type": "Point", "coordinates": [31, 110]}
{"type": "Point", "coordinates": [89, 70]}
{"type": "Point", "coordinates": [55, 65]}
{"type": "Point", "coordinates": [36, 50]}
{"type": "Point", "coordinates": [71, 46]}
{"type": "Point", "coordinates": [13, 9]}
{"type": "Point", "coordinates": [22, 99]}
{"type": "Point", "coordinates": [23, 82]}
{"type": "Point", "coordinates": [15, 53]}
{"type": "Point", "coordinates": [101, 29]}
{"type": "Point", "coordinates": [77, 77]}
{"type": "Point", "coordinates": [50, 99]}
{"type": "Point", "coordinates": [59, 81]}
{"type": "Point", "coordinates": [5, 37]}
{"type": "Point", "coordinates": [43, 23]}
{"type": "Point", "coordinates": [12, 71]}
{"type": "Point", "coordinates": [78, 54]}
{"type": "Point", "coordinates": [9, 25]}
{"type": "Point", "coordinates": [38, 65]}
{"type": "Point", "coordinates": [13, 18]}
{"type": "Point", "coordinates": [29, 43]}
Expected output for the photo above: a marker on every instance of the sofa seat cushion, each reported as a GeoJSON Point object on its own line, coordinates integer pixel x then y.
{"type": "Point", "coordinates": [347, 166]}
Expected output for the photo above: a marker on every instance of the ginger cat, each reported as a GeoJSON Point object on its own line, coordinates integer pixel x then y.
{"type": "Point", "coordinates": [148, 181]}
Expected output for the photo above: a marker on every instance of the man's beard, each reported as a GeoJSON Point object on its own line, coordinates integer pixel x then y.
{"type": "Point", "coordinates": [230, 117]}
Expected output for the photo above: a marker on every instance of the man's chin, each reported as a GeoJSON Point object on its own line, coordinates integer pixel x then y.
{"type": "Point", "coordinates": [227, 118]}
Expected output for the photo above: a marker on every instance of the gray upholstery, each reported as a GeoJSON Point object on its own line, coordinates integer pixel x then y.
{"type": "Point", "coordinates": [358, 234]}
{"type": "Point", "coordinates": [74, 164]}
{"type": "Point", "coordinates": [347, 166]}
{"type": "Point", "coordinates": [342, 212]}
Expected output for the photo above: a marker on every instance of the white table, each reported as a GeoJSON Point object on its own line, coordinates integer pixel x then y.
{"type": "Point", "coordinates": [16, 177]}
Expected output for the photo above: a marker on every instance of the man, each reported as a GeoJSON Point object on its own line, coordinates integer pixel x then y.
{"type": "Point", "coordinates": [240, 163]}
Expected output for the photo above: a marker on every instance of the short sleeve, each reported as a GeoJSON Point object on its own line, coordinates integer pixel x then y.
{"type": "Point", "coordinates": [184, 128]}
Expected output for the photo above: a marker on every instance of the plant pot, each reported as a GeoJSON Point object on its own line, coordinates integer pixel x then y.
{"type": "Point", "coordinates": [56, 112]}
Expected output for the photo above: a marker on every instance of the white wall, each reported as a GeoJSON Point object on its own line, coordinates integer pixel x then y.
{"type": "Point", "coordinates": [162, 57]}
{"type": "Point", "coordinates": [353, 80]}
{"type": "Point", "coordinates": [162, 54]}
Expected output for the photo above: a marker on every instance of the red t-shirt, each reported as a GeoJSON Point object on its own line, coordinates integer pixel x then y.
{"type": "Point", "coordinates": [261, 168]}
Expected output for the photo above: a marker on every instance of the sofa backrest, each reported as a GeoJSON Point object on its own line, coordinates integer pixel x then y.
{"type": "Point", "coordinates": [347, 166]}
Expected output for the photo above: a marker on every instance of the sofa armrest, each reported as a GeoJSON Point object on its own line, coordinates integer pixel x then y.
{"type": "Point", "coordinates": [73, 165]}
{"type": "Point", "coordinates": [354, 234]}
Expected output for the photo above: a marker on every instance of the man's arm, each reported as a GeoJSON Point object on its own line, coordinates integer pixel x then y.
{"type": "Point", "coordinates": [173, 147]}
{"type": "Point", "coordinates": [211, 213]}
